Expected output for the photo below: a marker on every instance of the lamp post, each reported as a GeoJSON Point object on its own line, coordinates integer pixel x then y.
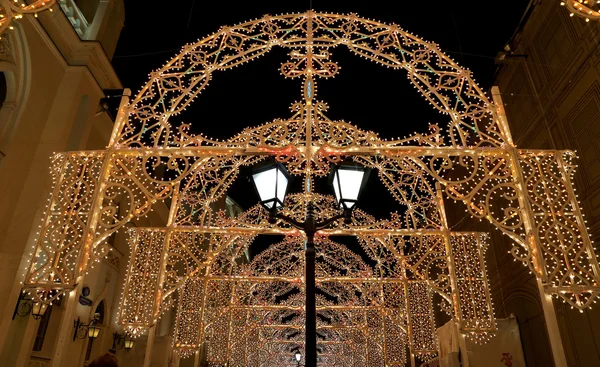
{"type": "Point", "coordinates": [271, 182]}
{"type": "Point", "coordinates": [298, 357]}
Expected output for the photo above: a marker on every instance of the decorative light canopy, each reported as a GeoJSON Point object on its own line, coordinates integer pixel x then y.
{"type": "Point", "coordinates": [271, 184]}
{"type": "Point", "coordinates": [151, 157]}
{"type": "Point", "coordinates": [348, 181]}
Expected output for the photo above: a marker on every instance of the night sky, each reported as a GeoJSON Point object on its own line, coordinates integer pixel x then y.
{"type": "Point", "coordinates": [368, 95]}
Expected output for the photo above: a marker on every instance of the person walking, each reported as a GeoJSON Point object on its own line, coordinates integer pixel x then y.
{"type": "Point", "coordinates": [105, 360]}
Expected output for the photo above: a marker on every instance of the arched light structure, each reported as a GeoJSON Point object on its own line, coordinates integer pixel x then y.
{"type": "Point", "coordinates": [152, 157]}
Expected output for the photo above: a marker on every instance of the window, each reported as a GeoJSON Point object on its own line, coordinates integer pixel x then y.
{"type": "Point", "coordinates": [3, 88]}
{"type": "Point", "coordinates": [43, 327]}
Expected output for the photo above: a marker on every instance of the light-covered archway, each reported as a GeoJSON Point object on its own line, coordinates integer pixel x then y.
{"type": "Point", "coordinates": [526, 194]}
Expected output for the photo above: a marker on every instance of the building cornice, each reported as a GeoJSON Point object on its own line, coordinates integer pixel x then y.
{"type": "Point", "coordinates": [74, 50]}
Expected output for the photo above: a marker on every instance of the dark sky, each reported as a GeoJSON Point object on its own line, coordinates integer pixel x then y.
{"type": "Point", "coordinates": [368, 95]}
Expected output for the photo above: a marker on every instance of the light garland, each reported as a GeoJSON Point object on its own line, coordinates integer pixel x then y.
{"type": "Point", "coordinates": [225, 288]}
{"type": "Point", "coordinates": [11, 10]}
{"type": "Point", "coordinates": [587, 9]}
{"type": "Point", "coordinates": [526, 194]}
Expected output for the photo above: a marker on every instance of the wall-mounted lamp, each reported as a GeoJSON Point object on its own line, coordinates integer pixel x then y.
{"type": "Point", "coordinates": [26, 306]}
{"type": "Point", "coordinates": [91, 330]}
{"type": "Point", "coordinates": [121, 341]}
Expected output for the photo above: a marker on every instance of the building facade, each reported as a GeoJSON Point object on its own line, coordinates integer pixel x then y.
{"type": "Point", "coordinates": [54, 71]}
{"type": "Point", "coordinates": [549, 77]}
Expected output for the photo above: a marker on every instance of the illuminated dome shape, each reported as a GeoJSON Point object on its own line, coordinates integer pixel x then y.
{"type": "Point", "coordinates": [311, 38]}
{"type": "Point", "coordinates": [526, 194]}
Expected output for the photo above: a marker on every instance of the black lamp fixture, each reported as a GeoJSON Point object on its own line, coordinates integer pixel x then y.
{"type": "Point", "coordinates": [298, 357]}
{"type": "Point", "coordinates": [26, 306]}
{"type": "Point", "coordinates": [271, 182]}
{"type": "Point", "coordinates": [121, 341]}
{"type": "Point", "coordinates": [91, 330]}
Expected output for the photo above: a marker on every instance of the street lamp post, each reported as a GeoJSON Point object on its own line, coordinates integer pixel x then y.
{"type": "Point", "coordinates": [271, 185]}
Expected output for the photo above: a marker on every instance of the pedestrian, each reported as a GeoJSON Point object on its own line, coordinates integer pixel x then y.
{"type": "Point", "coordinates": [105, 360]}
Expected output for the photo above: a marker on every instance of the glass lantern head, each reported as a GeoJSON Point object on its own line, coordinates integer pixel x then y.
{"type": "Point", "coordinates": [348, 181]}
{"type": "Point", "coordinates": [129, 343]}
{"type": "Point", "coordinates": [271, 182]}
{"type": "Point", "coordinates": [38, 310]}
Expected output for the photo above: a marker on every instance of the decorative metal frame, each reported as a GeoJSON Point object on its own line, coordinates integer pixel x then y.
{"type": "Point", "coordinates": [526, 194]}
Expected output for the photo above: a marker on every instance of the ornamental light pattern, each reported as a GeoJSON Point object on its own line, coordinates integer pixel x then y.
{"type": "Point", "coordinates": [251, 314]}
{"type": "Point", "coordinates": [11, 10]}
{"type": "Point", "coordinates": [587, 9]}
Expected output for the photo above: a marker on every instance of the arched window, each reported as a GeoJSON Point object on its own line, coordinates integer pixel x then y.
{"type": "Point", "coordinates": [6, 110]}
{"type": "Point", "coordinates": [100, 311]}
{"type": "Point", "coordinates": [15, 66]}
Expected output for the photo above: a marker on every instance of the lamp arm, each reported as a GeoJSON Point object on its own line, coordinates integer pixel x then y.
{"type": "Point", "coordinates": [289, 220]}
{"type": "Point", "coordinates": [327, 222]}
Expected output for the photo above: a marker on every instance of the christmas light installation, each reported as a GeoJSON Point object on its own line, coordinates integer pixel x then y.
{"type": "Point", "coordinates": [526, 194]}
{"type": "Point", "coordinates": [587, 9]}
{"type": "Point", "coordinates": [241, 309]}
{"type": "Point", "coordinates": [11, 10]}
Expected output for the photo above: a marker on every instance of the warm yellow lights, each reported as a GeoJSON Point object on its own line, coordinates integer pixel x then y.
{"type": "Point", "coordinates": [93, 332]}
{"type": "Point", "coordinates": [129, 343]}
{"type": "Point", "coordinates": [245, 311]}
{"type": "Point", "coordinates": [584, 9]}
{"type": "Point", "coordinates": [14, 10]}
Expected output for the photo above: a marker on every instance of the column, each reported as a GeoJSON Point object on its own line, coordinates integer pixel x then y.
{"type": "Point", "coordinates": [149, 344]}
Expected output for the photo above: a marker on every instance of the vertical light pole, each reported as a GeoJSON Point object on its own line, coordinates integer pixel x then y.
{"type": "Point", "coordinates": [270, 183]}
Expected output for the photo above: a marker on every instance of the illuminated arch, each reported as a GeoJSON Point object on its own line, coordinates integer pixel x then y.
{"type": "Point", "coordinates": [448, 87]}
